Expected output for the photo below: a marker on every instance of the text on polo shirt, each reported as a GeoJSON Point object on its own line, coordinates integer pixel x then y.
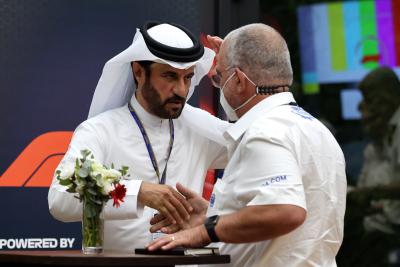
{"type": "Point", "coordinates": [276, 179]}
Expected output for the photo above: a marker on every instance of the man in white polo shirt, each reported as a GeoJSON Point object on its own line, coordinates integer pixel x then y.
{"type": "Point", "coordinates": [281, 201]}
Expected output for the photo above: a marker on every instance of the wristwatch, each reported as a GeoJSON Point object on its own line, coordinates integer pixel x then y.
{"type": "Point", "coordinates": [210, 224]}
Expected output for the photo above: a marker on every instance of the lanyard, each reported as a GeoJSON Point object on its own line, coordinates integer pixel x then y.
{"type": "Point", "coordinates": [150, 149]}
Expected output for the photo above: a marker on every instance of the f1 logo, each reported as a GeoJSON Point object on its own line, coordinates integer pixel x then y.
{"type": "Point", "coordinates": [35, 166]}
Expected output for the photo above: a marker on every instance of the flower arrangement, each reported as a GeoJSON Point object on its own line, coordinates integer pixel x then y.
{"type": "Point", "coordinates": [94, 184]}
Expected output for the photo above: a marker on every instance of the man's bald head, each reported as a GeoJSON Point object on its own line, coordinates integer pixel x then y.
{"type": "Point", "coordinates": [261, 52]}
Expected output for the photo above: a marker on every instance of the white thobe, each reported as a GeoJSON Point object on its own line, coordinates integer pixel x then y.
{"type": "Point", "coordinates": [280, 154]}
{"type": "Point", "coordinates": [114, 137]}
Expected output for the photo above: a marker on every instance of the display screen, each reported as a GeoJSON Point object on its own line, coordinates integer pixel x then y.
{"type": "Point", "coordinates": [340, 42]}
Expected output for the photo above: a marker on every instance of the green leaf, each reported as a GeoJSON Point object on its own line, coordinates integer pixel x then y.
{"type": "Point", "coordinates": [95, 202]}
{"type": "Point", "coordinates": [92, 192]}
{"type": "Point", "coordinates": [66, 182]}
{"type": "Point", "coordinates": [98, 202]}
{"type": "Point", "coordinates": [89, 210]}
{"type": "Point", "coordinates": [85, 153]}
{"type": "Point", "coordinates": [124, 170]}
{"type": "Point", "coordinates": [71, 190]}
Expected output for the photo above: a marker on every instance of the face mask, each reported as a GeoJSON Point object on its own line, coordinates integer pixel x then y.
{"type": "Point", "coordinates": [231, 112]}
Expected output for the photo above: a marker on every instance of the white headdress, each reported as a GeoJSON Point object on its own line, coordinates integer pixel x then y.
{"type": "Point", "coordinates": [162, 43]}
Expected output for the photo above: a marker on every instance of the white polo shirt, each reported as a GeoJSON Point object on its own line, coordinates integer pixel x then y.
{"type": "Point", "coordinates": [280, 154]}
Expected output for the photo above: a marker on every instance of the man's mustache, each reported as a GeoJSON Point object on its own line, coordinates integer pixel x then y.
{"type": "Point", "coordinates": [176, 100]}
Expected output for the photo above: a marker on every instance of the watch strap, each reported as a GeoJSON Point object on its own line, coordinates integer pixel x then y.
{"type": "Point", "coordinates": [210, 224]}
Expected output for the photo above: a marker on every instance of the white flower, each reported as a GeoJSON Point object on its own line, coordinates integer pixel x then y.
{"type": "Point", "coordinates": [106, 190]}
{"type": "Point", "coordinates": [97, 167]}
{"type": "Point", "coordinates": [112, 175]}
{"type": "Point", "coordinates": [104, 184]}
{"type": "Point", "coordinates": [66, 171]}
{"type": "Point", "coordinates": [104, 177]}
{"type": "Point", "coordinates": [109, 173]}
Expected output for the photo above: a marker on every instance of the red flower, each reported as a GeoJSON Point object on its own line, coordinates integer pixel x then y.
{"type": "Point", "coordinates": [118, 194]}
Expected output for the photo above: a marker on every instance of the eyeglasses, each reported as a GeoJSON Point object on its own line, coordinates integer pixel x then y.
{"type": "Point", "coordinates": [216, 78]}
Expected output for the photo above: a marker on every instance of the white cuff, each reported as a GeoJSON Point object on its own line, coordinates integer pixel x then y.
{"type": "Point", "coordinates": [130, 208]}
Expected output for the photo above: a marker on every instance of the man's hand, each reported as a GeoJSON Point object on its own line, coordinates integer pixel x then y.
{"type": "Point", "coordinates": [169, 202]}
{"type": "Point", "coordinates": [194, 237]}
{"type": "Point", "coordinates": [215, 42]}
{"type": "Point", "coordinates": [197, 216]}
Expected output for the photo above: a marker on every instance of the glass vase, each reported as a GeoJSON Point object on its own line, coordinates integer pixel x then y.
{"type": "Point", "coordinates": [92, 227]}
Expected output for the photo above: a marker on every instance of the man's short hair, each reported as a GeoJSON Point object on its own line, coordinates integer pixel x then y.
{"type": "Point", "coordinates": [146, 65]}
{"type": "Point", "coordinates": [261, 52]}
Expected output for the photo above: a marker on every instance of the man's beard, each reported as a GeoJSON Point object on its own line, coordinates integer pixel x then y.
{"type": "Point", "coordinates": [157, 107]}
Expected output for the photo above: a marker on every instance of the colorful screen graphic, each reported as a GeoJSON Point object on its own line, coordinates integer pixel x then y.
{"type": "Point", "coordinates": [342, 41]}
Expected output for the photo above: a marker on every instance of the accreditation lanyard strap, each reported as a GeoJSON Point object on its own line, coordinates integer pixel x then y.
{"type": "Point", "coordinates": [149, 147]}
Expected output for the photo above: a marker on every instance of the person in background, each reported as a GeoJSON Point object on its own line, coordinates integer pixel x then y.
{"type": "Point", "coordinates": [380, 109]}
{"type": "Point", "coordinates": [373, 218]}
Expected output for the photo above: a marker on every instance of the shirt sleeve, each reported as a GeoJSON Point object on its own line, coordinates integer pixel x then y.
{"type": "Point", "coordinates": [269, 174]}
{"type": "Point", "coordinates": [211, 129]}
{"type": "Point", "coordinates": [65, 207]}
{"type": "Point", "coordinates": [205, 124]}
{"type": "Point", "coordinates": [218, 155]}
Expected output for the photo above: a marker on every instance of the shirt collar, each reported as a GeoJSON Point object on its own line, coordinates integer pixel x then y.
{"type": "Point", "coordinates": [145, 117]}
{"type": "Point", "coordinates": [237, 129]}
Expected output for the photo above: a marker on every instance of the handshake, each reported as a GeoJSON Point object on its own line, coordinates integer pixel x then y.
{"type": "Point", "coordinates": [178, 209]}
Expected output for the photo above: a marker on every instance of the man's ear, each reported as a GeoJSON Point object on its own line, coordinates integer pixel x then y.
{"type": "Point", "coordinates": [241, 81]}
{"type": "Point", "coordinates": [138, 72]}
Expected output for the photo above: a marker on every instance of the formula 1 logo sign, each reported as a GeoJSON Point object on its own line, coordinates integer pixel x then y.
{"type": "Point", "coordinates": [26, 182]}
{"type": "Point", "coordinates": [35, 166]}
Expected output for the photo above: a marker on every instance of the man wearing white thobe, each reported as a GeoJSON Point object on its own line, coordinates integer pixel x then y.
{"type": "Point", "coordinates": [164, 80]}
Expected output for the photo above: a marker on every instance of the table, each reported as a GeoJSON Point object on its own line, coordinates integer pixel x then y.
{"type": "Point", "coordinates": [108, 258]}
